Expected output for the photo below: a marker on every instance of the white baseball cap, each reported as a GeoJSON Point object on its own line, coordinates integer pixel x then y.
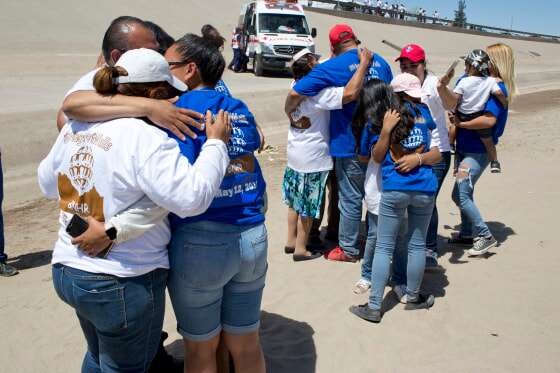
{"type": "Point", "coordinates": [146, 66]}
{"type": "Point", "coordinates": [303, 52]}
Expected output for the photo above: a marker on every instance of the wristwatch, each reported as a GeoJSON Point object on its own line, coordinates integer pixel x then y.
{"type": "Point", "coordinates": [111, 232]}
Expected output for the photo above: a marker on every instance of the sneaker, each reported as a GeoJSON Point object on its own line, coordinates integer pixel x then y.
{"type": "Point", "coordinates": [400, 292]}
{"type": "Point", "coordinates": [420, 302]}
{"type": "Point", "coordinates": [364, 312]}
{"type": "Point", "coordinates": [460, 240]}
{"type": "Point", "coordinates": [361, 286]}
{"type": "Point", "coordinates": [495, 167]}
{"type": "Point", "coordinates": [481, 245]}
{"type": "Point", "coordinates": [7, 270]}
{"type": "Point", "coordinates": [338, 255]}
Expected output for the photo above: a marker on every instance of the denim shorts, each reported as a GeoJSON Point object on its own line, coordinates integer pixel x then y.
{"type": "Point", "coordinates": [217, 277]}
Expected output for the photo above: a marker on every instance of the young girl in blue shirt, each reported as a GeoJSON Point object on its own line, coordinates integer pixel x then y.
{"type": "Point", "coordinates": [404, 152]}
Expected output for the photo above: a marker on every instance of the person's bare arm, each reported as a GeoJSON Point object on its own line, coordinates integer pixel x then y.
{"type": "Point", "coordinates": [484, 121]}
{"type": "Point", "coordinates": [354, 86]}
{"type": "Point", "coordinates": [60, 119]}
{"type": "Point", "coordinates": [292, 102]}
{"type": "Point", "coordinates": [409, 162]}
{"type": "Point", "coordinates": [89, 106]}
{"type": "Point", "coordinates": [390, 120]}
{"type": "Point", "coordinates": [501, 97]}
{"type": "Point", "coordinates": [449, 99]}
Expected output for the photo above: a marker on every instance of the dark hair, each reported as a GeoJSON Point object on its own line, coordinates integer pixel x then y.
{"type": "Point", "coordinates": [163, 38]}
{"type": "Point", "coordinates": [374, 100]}
{"type": "Point", "coordinates": [376, 97]}
{"type": "Point", "coordinates": [204, 53]}
{"type": "Point", "coordinates": [301, 68]}
{"type": "Point", "coordinates": [210, 33]}
{"type": "Point", "coordinates": [116, 36]}
{"type": "Point", "coordinates": [409, 112]}
{"type": "Point", "coordinates": [104, 83]}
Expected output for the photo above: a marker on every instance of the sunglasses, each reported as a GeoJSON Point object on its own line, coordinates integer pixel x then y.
{"type": "Point", "coordinates": [178, 63]}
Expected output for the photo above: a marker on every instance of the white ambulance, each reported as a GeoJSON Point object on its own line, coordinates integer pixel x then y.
{"type": "Point", "coordinates": [273, 31]}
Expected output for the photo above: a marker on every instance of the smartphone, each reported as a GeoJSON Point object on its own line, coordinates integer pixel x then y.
{"type": "Point", "coordinates": [452, 67]}
{"type": "Point", "coordinates": [76, 226]}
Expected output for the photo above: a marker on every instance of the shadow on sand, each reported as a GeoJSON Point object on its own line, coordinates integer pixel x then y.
{"type": "Point", "coordinates": [31, 260]}
{"type": "Point", "coordinates": [288, 345]}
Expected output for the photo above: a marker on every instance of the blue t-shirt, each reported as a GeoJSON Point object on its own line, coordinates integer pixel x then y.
{"type": "Point", "coordinates": [222, 88]}
{"type": "Point", "coordinates": [421, 179]}
{"type": "Point", "coordinates": [368, 138]}
{"type": "Point", "coordinates": [337, 72]}
{"type": "Point", "coordinates": [240, 200]}
{"type": "Point", "coordinates": [468, 141]}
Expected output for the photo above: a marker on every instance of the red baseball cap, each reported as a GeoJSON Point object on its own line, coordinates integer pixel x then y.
{"type": "Point", "coordinates": [340, 33]}
{"type": "Point", "coordinates": [413, 52]}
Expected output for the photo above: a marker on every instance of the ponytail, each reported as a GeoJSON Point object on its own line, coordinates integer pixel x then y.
{"type": "Point", "coordinates": [212, 35]}
{"type": "Point", "coordinates": [104, 80]}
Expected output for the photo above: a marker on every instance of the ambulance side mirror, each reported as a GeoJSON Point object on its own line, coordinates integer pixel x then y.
{"type": "Point", "coordinates": [313, 32]}
{"type": "Point", "coordinates": [252, 30]}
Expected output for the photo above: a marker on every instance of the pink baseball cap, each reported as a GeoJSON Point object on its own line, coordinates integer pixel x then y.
{"type": "Point", "coordinates": [413, 52]}
{"type": "Point", "coordinates": [409, 84]}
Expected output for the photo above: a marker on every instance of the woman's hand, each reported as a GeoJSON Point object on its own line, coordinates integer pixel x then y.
{"type": "Point", "coordinates": [93, 241]}
{"type": "Point", "coordinates": [390, 120]}
{"type": "Point", "coordinates": [177, 120]}
{"type": "Point", "coordinates": [218, 128]}
{"type": "Point", "coordinates": [408, 162]}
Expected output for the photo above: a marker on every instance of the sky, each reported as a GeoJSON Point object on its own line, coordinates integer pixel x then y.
{"type": "Point", "coordinates": [539, 16]}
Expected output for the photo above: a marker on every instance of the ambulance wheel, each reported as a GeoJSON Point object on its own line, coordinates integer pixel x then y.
{"type": "Point", "coordinates": [258, 65]}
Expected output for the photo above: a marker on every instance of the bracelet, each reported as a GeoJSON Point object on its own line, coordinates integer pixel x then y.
{"type": "Point", "coordinates": [419, 159]}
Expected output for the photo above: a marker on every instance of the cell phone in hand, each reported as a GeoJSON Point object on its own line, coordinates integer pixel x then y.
{"type": "Point", "coordinates": [76, 226]}
{"type": "Point", "coordinates": [452, 67]}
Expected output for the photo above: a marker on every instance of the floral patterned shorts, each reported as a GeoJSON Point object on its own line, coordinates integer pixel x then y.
{"type": "Point", "coordinates": [303, 192]}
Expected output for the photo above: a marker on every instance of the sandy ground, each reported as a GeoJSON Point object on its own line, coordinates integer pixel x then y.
{"type": "Point", "coordinates": [494, 314]}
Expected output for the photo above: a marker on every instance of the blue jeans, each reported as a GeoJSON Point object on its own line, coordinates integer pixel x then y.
{"type": "Point", "coordinates": [217, 278]}
{"type": "Point", "coordinates": [473, 164]}
{"type": "Point", "coordinates": [440, 170]}
{"type": "Point", "coordinates": [350, 174]}
{"type": "Point", "coordinates": [3, 256]}
{"type": "Point", "coordinates": [121, 317]}
{"type": "Point", "coordinates": [369, 251]}
{"type": "Point", "coordinates": [392, 209]}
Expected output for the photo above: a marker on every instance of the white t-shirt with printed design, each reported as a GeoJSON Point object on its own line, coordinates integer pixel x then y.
{"type": "Point", "coordinates": [102, 169]}
{"type": "Point", "coordinates": [308, 149]}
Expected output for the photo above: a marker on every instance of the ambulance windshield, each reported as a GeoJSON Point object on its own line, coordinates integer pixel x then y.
{"type": "Point", "coordinates": [283, 24]}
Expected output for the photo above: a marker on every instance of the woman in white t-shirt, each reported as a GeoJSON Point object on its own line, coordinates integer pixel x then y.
{"type": "Point", "coordinates": [309, 159]}
{"type": "Point", "coordinates": [413, 60]}
{"type": "Point", "coordinates": [98, 170]}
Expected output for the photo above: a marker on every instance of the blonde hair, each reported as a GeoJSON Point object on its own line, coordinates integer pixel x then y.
{"type": "Point", "coordinates": [503, 63]}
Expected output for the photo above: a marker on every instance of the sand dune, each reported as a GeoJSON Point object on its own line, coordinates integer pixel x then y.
{"type": "Point", "coordinates": [496, 314]}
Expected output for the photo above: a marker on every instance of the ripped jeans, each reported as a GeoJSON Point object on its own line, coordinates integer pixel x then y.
{"type": "Point", "coordinates": [470, 168]}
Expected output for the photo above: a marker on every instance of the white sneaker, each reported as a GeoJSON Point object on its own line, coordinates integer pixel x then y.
{"type": "Point", "coordinates": [361, 286]}
{"type": "Point", "coordinates": [400, 292]}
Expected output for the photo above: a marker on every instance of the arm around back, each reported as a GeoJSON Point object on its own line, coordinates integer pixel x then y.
{"type": "Point", "coordinates": [171, 182]}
